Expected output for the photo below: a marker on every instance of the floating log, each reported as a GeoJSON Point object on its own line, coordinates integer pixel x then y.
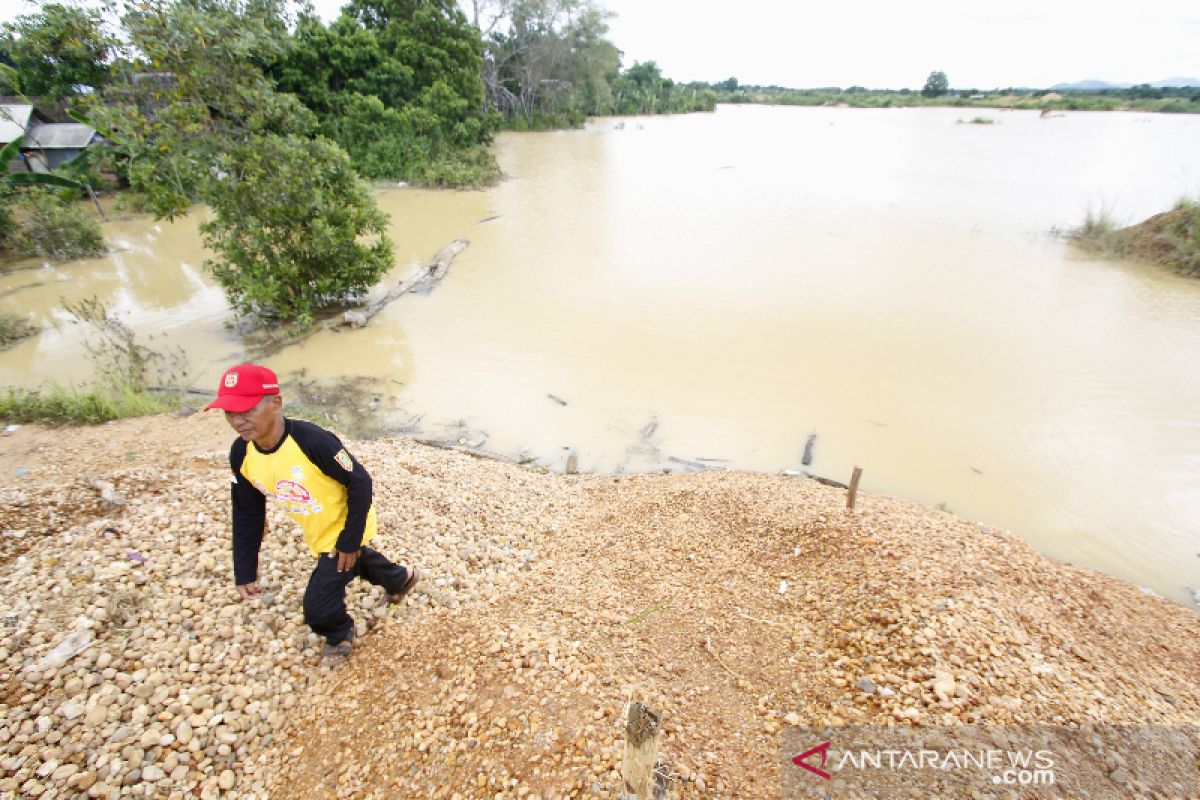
{"type": "Point", "coordinates": [423, 281]}
{"type": "Point", "coordinates": [694, 466]}
{"type": "Point", "coordinates": [825, 481]}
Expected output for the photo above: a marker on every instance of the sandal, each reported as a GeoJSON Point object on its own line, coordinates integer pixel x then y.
{"type": "Point", "coordinates": [334, 655]}
{"type": "Point", "coordinates": [414, 576]}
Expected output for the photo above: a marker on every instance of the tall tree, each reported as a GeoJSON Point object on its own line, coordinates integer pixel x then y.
{"type": "Point", "coordinates": [59, 50]}
{"type": "Point", "coordinates": [397, 83]}
{"type": "Point", "coordinates": [936, 85]}
{"type": "Point", "coordinates": [549, 57]}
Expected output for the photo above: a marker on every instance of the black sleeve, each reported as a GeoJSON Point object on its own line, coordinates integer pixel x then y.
{"type": "Point", "coordinates": [326, 451]}
{"type": "Point", "coordinates": [249, 518]}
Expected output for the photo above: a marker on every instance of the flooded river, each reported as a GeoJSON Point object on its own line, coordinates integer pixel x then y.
{"type": "Point", "coordinates": [712, 289]}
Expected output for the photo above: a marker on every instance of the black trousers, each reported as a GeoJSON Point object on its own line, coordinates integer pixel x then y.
{"type": "Point", "coordinates": [325, 598]}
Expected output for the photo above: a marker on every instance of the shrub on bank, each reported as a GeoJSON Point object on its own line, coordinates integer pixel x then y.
{"type": "Point", "coordinates": [1171, 239]}
{"type": "Point", "coordinates": [46, 226]}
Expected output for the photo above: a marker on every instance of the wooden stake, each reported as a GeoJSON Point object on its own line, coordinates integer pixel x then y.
{"type": "Point", "coordinates": [643, 732]}
{"type": "Point", "coordinates": [92, 195]}
{"type": "Point", "coordinates": [853, 493]}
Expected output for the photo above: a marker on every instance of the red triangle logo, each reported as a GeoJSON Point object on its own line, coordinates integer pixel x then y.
{"type": "Point", "coordinates": [821, 749]}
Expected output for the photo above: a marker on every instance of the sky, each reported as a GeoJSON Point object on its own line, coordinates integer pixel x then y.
{"type": "Point", "coordinates": [981, 45]}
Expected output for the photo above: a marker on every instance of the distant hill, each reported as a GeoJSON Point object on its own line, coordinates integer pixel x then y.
{"type": "Point", "coordinates": [1088, 85]}
{"type": "Point", "coordinates": [1190, 83]}
{"type": "Point", "coordinates": [1080, 86]}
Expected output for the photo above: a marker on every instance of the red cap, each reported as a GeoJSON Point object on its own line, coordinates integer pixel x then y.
{"type": "Point", "coordinates": [243, 386]}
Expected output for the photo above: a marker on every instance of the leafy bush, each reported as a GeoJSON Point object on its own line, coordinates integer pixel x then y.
{"type": "Point", "coordinates": [289, 215]}
{"type": "Point", "coordinates": [50, 227]}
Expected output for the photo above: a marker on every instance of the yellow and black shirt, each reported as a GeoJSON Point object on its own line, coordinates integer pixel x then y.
{"type": "Point", "coordinates": [315, 478]}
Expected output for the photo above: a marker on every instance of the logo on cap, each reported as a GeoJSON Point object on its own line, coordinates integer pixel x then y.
{"type": "Point", "coordinates": [231, 380]}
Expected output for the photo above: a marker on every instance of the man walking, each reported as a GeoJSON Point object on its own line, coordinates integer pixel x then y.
{"type": "Point", "coordinates": [304, 468]}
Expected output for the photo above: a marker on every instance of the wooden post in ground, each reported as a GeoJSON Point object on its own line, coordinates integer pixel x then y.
{"type": "Point", "coordinates": [853, 493]}
{"type": "Point", "coordinates": [643, 732]}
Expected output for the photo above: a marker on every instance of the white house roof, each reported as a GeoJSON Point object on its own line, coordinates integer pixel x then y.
{"type": "Point", "coordinates": [14, 119]}
{"type": "Point", "coordinates": [59, 136]}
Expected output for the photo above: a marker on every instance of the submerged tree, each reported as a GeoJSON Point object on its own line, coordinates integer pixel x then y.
{"type": "Point", "coordinates": [203, 122]}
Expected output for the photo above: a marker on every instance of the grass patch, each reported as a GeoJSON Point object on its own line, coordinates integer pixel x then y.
{"type": "Point", "coordinates": [1170, 239]}
{"type": "Point", "coordinates": [59, 405]}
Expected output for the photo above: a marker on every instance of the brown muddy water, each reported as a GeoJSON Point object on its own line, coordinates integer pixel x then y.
{"type": "Point", "coordinates": [712, 289]}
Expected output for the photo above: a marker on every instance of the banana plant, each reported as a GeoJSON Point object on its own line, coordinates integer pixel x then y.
{"type": "Point", "coordinates": [14, 179]}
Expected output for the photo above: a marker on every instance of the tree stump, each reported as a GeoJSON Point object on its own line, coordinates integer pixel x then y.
{"type": "Point", "coordinates": [643, 733]}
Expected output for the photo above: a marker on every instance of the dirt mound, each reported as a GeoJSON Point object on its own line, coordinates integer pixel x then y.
{"type": "Point", "coordinates": [1171, 239]}
{"type": "Point", "coordinates": [734, 604]}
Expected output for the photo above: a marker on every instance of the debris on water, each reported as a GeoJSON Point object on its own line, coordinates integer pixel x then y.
{"type": "Point", "coordinates": [691, 466]}
{"type": "Point", "coordinates": [650, 427]}
{"type": "Point", "coordinates": [488, 219]}
{"type": "Point", "coordinates": [808, 449]}
{"type": "Point", "coordinates": [976, 470]}
{"type": "Point", "coordinates": [556, 399]}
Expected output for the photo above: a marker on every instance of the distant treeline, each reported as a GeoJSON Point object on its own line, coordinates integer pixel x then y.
{"type": "Point", "coordinates": [1181, 100]}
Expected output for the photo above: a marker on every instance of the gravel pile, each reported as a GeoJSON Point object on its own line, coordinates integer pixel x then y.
{"type": "Point", "coordinates": [735, 604]}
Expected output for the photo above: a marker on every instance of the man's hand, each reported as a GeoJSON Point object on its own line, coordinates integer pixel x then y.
{"type": "Point", "coordinates": [345, 560]}
{"type": "Point", "coordinates": [249, 591]}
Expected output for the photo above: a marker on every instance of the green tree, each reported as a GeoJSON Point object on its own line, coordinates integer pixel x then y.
{"type": "Point", "coordinates": [1144, 91]}
{"type": "Point", "coordinates": [208, 125]}
{"type": "Point", "coordinates": [936, 84]}
{"type": "Point", "coordinates": [59, 49]}
{"type": "Point", "coordinates": [410, 69]}
{"type": "Point", "coordinates": [305, 248]}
